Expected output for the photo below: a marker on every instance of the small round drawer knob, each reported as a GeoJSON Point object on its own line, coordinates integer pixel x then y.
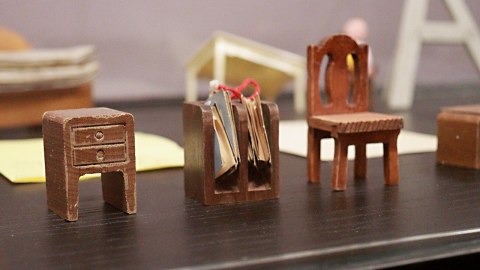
{"type": "Point", "coordinates": [99, 135]}
{"type": "Point", "coordinates": [100, 155]}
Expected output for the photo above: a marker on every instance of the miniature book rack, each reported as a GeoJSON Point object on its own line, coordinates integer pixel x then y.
{"type": "Point", "coordinates": [84, 141]}
{"type": "Point", "coordinates": [344, 114]}
{"type": "Point", "coordinates": [244, 184]}
{"type": "Point", "coordinates": [458, 131]}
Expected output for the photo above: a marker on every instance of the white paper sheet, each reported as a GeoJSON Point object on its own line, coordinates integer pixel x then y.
{"type": "Point", "coordinates": [293, 140]}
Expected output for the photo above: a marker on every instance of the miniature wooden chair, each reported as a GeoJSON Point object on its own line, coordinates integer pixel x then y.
{"type": "Point", "coordinates": [344, 114]}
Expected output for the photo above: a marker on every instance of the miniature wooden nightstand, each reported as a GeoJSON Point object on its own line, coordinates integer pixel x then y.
{"type": "Point", "coordinates": [84, 141]}
{"type": "Point", "coordinates": [458, 131]}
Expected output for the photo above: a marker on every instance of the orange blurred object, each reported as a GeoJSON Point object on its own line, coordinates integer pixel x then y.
{"type": "Point", "coordinates": [12, 41]}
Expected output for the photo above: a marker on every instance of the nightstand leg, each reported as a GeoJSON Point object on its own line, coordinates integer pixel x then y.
{"type": "Point", "coordinates": [62, 196]}
{"type": "Point", "coordinates": [119, 190]}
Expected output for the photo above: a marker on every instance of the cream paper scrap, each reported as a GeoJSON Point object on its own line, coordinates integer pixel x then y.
{"type": "Point", "coordinates": [22, 161]}
{"type": "Point", "coordinates": [293, 140]}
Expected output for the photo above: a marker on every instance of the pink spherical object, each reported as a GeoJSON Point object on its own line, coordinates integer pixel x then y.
{"type": "Point", "coordinates": [356, 28]}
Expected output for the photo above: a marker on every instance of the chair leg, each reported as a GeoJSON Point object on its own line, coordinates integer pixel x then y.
{"type": "Point", "coordinates": [390, 161]}
{"type": "Point", "coordinates": [313, 155]}
{"type": "Point", "coordinates": [360, 161]}
{"type": "Point", "coordinates": [339, 174]}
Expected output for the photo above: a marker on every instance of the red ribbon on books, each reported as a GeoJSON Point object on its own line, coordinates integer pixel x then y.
{"type": "Point", "coordinates": [237, 92]}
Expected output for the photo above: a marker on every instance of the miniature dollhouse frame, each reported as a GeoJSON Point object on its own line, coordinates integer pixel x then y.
{"type": "Point", "coordinates": [230, 59]}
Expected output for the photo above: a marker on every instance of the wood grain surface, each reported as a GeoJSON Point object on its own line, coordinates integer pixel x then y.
{"type": "Point", "coordinates": [434, 213]}
{"type": "Point", "coordinates": [356, 122]}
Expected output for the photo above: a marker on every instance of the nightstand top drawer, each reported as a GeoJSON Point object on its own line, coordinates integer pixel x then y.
{"type": "Point", "coordinates": [99, 154]}
{"type": "Point", "coordinates": [95, 135]}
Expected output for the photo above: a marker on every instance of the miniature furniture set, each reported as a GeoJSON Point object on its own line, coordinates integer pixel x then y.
{"type": "Point", "coordinates": [85, 141]}
{"type": "Point", "coordinates": [458, 131]}
{"type": "Point", "coordinates": [345, 116]}
{"type": "Point", "coordinates": [246, 183]}
{"type": "Point", "coordinates": [101, 140]}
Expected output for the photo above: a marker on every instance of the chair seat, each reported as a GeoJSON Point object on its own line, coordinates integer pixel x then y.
{"type": "Point", "coordinates": [356, 122]}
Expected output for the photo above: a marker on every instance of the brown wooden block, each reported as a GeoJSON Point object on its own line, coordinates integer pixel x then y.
{"type": "Point", "coordinates": [243, 185]}
{"type": "Point", "coordinates": [85, 141]}
{"type": "Point", "coordinates": [458, 131]}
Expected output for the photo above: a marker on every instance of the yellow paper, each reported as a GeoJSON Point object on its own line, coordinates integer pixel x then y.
{"type": "Point", "coordinates": [22, 161]}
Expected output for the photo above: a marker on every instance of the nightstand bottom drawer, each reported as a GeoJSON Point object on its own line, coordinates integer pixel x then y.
{"type": "Point", "coordinates": [99, 154]}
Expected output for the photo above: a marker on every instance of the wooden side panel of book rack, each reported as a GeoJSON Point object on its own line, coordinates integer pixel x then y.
{"type": "Point", "coordinates": [243, 184]}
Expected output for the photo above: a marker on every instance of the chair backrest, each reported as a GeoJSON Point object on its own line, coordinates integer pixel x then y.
{"type": "Point", "coordinates": [338, 79]}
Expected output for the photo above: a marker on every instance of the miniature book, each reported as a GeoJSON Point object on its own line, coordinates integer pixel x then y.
{"type": "Point", "coordinates": [258, 151]}
{"type": "Point", "coordinates": [226, 153]}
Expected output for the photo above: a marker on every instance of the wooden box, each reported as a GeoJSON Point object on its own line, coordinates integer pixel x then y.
{"type": "Point", "coordinates": [85, 141]}
{"type": "Point", "coordinates": [245, 184]}
{"type": "Point", "coordinates": [458, 131]}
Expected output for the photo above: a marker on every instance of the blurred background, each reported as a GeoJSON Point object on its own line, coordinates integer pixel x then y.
{"type": "Point", "coordinates": [143, 46]}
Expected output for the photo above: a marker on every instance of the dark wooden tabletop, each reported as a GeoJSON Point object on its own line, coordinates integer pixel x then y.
{"type": "Point", "coordinates": [433, 213]}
